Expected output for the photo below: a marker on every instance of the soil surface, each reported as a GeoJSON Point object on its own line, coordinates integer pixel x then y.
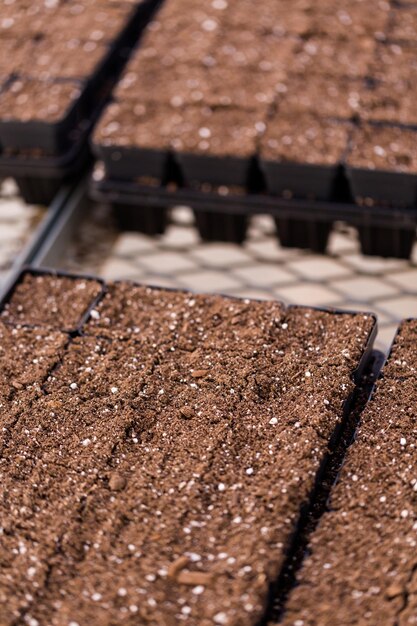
{"type": "Point", "coordinates": [45, 46]}
{"type": "Point", "coordinates": [158, 473]}
{"type": "Point", "coordinates": [60, 58]}
{"type": "Point", "coordinates": [58, 302]}
{"type": "Point", "coordinates": [383, 148]}
{"type": "Point", "coordinates": [35, 100]}
{"type": "Point", "coordinates": [334, 97]}
{"type": "Point", "coordinates": [361, 567]}
{"type": "Point", "coordinates": [389, 101]}
{"type": "Point", "coordinates": [313, 140]}
{"type": "Point", "coordinates": [226, 131]}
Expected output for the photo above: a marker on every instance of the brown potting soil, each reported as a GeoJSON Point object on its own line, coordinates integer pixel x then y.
{"type": "Point", "coordinates": [383, 148]}
{"type": "Point", "coordinates": [57, 302]}
{"type": "Point", "coordinates": [60, 58]}
{"type": "Point", "coordinates": [312, 139]}
{"type": "Point", "coordinates": [159, 474]}
{"type": "Point", "coordinates": [38, 100]}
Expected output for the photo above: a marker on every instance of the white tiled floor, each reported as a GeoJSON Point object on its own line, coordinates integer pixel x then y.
{"type": "Point", "coordinates": [17, 222]}
{"type": "Point", "coordinates": [318, 269]}
{"type": "Point", "coordinates": [260, 268]}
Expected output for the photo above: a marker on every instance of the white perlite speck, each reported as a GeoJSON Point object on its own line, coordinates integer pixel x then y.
{"type": "Point", "coordinates": [220, 618]}
{"type": "Point", "coordinates": [249, 471]}
{"type": "Point", "coordinates": [114, 389]}
{"type": "Point", "coordinates": [221, 487]}
{"type": "Point", "coordinates": [73, 386]}
{"type": "Point", "coordinates": [95, 314]}
{"type": "Point", "coordinates": [150, 578]}
{"type": "Point", "coordinates": [273, 421]}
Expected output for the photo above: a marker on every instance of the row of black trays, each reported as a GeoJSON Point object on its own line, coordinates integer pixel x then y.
{"type": "Point", "coordinates": [44, 155]}
{"type": "Point", "coordinates": [305, 200]}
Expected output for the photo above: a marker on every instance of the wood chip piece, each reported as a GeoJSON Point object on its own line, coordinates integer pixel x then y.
{"type": "Point", "coordinates": [194, 578]}
{"type": "Point", "coordinates": [117, 482]}
{"type": "Point", "coordinates": [199, 373]}
{"type": "Point", "coordinates": [187, 412]}
{"type": "Point", "coordinates": [394, 590]}
{"type": "Point", "coordinates": [177, 565]}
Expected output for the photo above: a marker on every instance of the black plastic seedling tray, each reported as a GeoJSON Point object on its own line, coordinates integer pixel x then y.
{"type": "Point", "coordinates": [314, 507]}
{"type": "Point", "coordinates": [128, 163]}
{"type": "Point", "coordinates": [49, 137]}
{"type": "Point", "coordinates": [62, 150]}
{"type": "Point", "coordinates": [302, 180]}
{"type": "Point", "coordinates": [213, 170]}
{"type": "Point", "coordinates": [393, 188]}
{"type": "Point", "coordinates": [39, 179]}
{"type": "Point", "coordinates": [304, 223]}
{"type": "Point", "coordinates": [28, 270]}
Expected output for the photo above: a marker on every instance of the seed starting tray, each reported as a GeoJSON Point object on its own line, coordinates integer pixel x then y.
{"type": "Point", "coordinates": [40, 177]}
{"type": "Point", "coordinates": [364, 377]}
{"type": "Point", "coordinates": [302, 223]}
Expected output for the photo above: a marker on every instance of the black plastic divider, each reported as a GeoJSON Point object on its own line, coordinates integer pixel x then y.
{"type": "Point", "coordinates": [306, 223]}
{"type": "Point", "coordinates": [40, 176]}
